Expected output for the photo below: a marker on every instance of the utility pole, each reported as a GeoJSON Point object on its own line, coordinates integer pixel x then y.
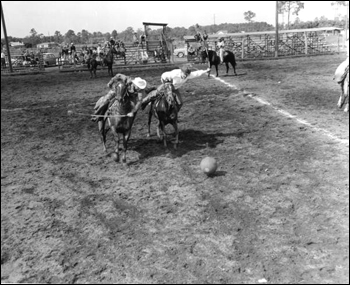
{"type": "Point", "coordinates": [276, 36]}
{"type": "Point", "coordinates": [6, 42]}
{"type": "Point", "coordinates": [347, 21]}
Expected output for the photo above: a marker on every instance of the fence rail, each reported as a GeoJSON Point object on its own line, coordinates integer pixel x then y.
{"type": "Point", "coordinates": [255, 46]}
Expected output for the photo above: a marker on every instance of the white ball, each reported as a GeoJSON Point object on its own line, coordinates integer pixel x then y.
{"type": "Point", "coordinates": [209, 165]}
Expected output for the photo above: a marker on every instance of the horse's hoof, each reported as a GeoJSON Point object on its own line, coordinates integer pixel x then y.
{"type": "Point", "coordinates": [115, 157]}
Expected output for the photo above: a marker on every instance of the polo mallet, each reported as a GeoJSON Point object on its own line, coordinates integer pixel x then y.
{"type": "Point", "coordinates": [71, 112]}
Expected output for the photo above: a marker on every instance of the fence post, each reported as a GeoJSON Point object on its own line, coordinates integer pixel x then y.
{"type": "Point", "coordinates": [305, 40]}
{"type": "Point", "coordinates": [171, 50]}
{"type": "Point", "coordinates": [242, 48]}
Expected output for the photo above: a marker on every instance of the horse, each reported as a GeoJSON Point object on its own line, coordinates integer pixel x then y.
{"type": "Point", "coordinates": [92, 64]}
{"type": "Point", "coordinates": [165, 109]}
{"type": "Point", "coordinates": [118, 121]}
{"type": "Point", "coordinates": [109, 59]}
{"type": "Point", "coordinates": [120, 50]}
{"type": "Point", "coordinates": [341, 76]}
{"type": "Point", "coordinates": [214, 59]}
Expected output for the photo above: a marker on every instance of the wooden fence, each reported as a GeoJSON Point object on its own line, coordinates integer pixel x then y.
{"type": "Point", "coordinates": [262, 44]}
{"type": "Point", "coordinates": [133, 56]}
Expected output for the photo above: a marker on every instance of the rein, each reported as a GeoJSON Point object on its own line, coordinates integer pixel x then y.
{"type": "Point", "coordinates": [96, 116]}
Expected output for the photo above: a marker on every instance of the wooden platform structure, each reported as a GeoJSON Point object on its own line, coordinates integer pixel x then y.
{"type": "Point", "coordinates": [153, 46]}
{"type": "Point", "coordinates": [257, 45]}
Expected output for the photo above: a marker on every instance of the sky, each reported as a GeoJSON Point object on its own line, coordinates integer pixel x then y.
{"type": "Point", "coordinates": [46, 17]}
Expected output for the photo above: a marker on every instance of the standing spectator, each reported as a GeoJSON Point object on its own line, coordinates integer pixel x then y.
{"type": "Point", "coordinates": [63, 52]}
{"type": "Point", "coordinates": [142, 38]}
{"type": "Point", "coordinates": [112, 41]}
{"type": "Point", "coordinates": [99, 50]}
{"type": "Point", "coordinates": [72, 52]}
{"type": "Point", "coordinates": [72, 48]}
{"type": "Point", "coordinates": [191, 50]}
{"type": "Point", "coordinates": [3, 60]}
{"type": "Point", "coordinates": [135, 39]}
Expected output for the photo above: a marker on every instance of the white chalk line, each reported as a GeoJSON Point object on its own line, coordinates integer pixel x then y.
{"type": "Point", "coordinates": [287, 114]}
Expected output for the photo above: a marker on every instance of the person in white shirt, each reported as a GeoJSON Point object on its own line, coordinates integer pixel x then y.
{"type": "Point", "coordinates": [221, 46]}
{"type": "Point", "coordinates": [178, 77]}
{"type": "Point", "coordinates": [3, 60]}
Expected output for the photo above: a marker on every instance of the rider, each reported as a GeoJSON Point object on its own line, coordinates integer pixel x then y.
{"type": "Point", "coordinates": [135, 86]}
{"type": "Point", "coordinates": [221, 46]}
{"type": "Point", "coordinates": [178, 77]}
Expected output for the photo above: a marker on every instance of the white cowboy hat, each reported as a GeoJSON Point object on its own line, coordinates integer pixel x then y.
{"type": "Point", "coordinates": [139, 82]}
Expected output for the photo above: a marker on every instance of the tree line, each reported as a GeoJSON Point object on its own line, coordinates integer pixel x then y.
{"type": "Point", "coordinates": [177, 33]}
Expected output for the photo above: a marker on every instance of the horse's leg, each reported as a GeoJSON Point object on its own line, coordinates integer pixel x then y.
{"type": "Point", "coordinates": [125, 142]}
{"type": "Point", "coordinates": [210, 69]}
{"type": "Point", "coordinates": [346, 94]}
{"type": "Point", "coordinates": [101, 128]}
{"type": "Point", "coordinates": [158, 131]}
{"type": "Point", "coordinates": [162, 127]}
{"type": "Point", "coordinates": [126, 138]}
{"type": "Point", "coordinates": [149, 122]}
{"type": "Point", "coordinates": [227, 67]}
{"type": "Point", "coordinates": [234, 67]}
{"type": "Point", "coordinates": [116, 140]}
{"type": "Point", "coordinates": [176, 134]}
{"type": "Point", "coordinates": [342, 96]}
{"type": "Point", "coordinates": [216, 67]}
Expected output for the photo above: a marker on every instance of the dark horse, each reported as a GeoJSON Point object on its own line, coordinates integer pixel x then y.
{"type": "Point", "coordinates": [109, 59]}
{"type": "Point", "coordinates": [214, 59]}
{"type": "Point", "coordinates": [120, 50]}
{"type": "Point", "coordinates": [117, 120]}
{"type": "Point", "coordinates": [165, 109]}
{"type": "Point", "coordinates": [92, 64]}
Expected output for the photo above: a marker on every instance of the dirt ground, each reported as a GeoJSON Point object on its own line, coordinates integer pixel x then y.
{"type": "Point", "coordinates": [275, 212]}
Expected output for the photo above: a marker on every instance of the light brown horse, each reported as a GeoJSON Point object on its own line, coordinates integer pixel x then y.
{"type": "Point", "coordinates": [117, 120]}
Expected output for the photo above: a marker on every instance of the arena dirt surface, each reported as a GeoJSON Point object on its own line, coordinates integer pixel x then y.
{"type": "Point", "coordinates": [275, 212]}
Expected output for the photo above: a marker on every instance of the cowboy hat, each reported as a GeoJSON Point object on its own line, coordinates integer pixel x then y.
{"type": "Point", "coordinates": [139, 82]}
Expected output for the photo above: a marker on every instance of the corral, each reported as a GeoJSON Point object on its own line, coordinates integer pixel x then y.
{"type": "Point", "coordinates": [275, 212]}
{"type": "Point", "coordinates": [260, 45]}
